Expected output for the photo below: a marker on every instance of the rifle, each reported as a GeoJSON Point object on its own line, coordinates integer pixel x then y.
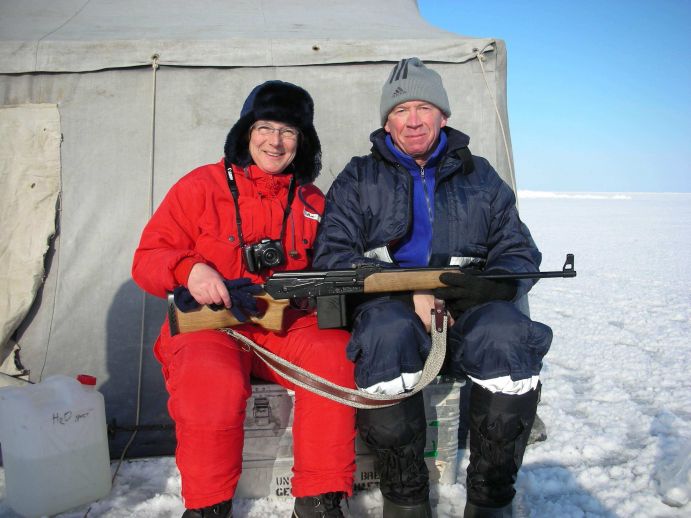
{"type": "Point", "coordinates": [328, 288]}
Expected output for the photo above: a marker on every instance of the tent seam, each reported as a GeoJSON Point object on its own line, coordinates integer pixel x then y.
{"type": "Point", "coordinates": [38, 43]}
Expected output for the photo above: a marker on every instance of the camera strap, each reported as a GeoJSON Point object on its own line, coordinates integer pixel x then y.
{"type": "Point", "coordinates": [232, 185]}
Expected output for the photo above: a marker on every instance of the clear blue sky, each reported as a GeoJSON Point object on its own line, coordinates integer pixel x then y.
{"type": "Point", "coordinates": [599, 92]}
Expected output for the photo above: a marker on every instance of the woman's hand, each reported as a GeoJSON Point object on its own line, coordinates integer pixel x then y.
{"type": "Point", "coordinates": [206, 286]}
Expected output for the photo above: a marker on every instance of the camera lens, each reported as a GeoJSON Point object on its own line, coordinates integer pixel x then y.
{"type": "Point", "coordinates": [271, 257]}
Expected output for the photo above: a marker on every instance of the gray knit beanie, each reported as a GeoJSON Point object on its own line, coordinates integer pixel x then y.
{"type": "Point", "coordinates": [411, 80]}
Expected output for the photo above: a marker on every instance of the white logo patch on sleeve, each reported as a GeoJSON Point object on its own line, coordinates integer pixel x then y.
{"type": "Point", "coordinates": [311, 215]}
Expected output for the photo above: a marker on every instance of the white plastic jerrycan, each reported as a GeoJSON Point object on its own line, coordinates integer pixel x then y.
{"type": "Point", "coordinates": [54, 445]}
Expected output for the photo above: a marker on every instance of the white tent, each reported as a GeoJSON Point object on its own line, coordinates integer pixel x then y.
{"type": "Point", "coordinates": [106, 103]}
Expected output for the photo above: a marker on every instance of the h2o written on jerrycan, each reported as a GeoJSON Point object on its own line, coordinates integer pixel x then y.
{"type": "Point", "coordinates": [54, 445]}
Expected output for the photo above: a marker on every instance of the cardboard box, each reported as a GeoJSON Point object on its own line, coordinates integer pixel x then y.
{"type": "Point", "coordinates": [268, 449]}
{"type": "Point", "coordinates": [268, 423]}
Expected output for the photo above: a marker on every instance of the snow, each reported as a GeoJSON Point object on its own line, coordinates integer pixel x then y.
{"type": "Point", "coordinates": [616, 397]}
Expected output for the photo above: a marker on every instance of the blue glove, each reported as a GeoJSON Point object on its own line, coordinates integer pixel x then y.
{"type": "Point", "coordinates": [242, 292]}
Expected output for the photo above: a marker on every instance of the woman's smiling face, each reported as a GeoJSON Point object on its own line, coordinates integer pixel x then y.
{"type": "Point", "coordinates": [273, 145]}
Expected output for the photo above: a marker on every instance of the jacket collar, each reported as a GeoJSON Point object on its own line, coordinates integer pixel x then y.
{"type": "Point", "coordinates": [456, 145]}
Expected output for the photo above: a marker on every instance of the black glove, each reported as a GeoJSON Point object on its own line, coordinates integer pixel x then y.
{"type": "Point", "coordinates": [465, 291]}
{"type": "Point", "coordinates": [242, 292]}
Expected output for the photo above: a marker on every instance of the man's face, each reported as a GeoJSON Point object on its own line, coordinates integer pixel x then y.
{"type": "Point", "coordinates": [414, 127]}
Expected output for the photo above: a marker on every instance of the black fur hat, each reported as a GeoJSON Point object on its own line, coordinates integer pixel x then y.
{"type": "Point", "coordinates": [281, 102]}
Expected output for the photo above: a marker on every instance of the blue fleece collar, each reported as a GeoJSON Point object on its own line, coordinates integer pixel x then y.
{"type": "Point", "coordinates": [409, 162]}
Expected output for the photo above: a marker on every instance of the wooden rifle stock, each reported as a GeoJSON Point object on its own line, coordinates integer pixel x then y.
{"type": "Point", "coordinates": [270, 317]}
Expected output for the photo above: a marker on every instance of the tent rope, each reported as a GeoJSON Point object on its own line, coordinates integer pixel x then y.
{"type": "Point", "coordinates": [58, 230]}
{"type": "Point", "coordinates": [154, 66]}
{"type": "Point", "coordinates": [479, 54]}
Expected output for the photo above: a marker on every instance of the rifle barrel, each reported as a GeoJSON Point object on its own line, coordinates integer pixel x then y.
{"type": "Point", "coordinates": [375, 279]}
{"type": "Point", "coordinates": [534, 275]}
{"type": "Point", "coordinates": [566, 271]}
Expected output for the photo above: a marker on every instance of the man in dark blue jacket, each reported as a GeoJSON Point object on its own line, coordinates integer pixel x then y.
{"type": "Point", "coordinates": [420, 198]}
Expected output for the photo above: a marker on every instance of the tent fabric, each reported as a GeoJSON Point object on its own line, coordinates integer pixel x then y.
{"type": "Point", "coordinates": [80, 35]}
{"type": "Point", "coordinates": [131, 129]}
{"type": "Point", "coordinates": [30, 181]}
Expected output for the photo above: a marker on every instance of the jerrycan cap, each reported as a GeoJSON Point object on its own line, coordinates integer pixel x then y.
{"type": "Point", "coordinates": [86, 379]}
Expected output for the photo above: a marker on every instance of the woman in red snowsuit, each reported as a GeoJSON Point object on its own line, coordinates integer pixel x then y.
{"type": "Point", "coordinates": [196, 240]}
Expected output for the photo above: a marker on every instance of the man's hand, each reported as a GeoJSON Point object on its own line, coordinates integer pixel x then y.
{"type": "Point", "coordinates": [466, 290]}
{"type": "Point", "coordinates": [423, 301]}
{"type": "Point", "coordinates": [206, 286]}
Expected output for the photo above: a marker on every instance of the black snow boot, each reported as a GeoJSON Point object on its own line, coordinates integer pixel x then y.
{"type": "Point", "coordinates": [397, 435]}
{"type": "Point", "coordinates": [476, 511]}
{"type": "Point", "coordinates": [394, 510]}
{"type": "Point", "coordinates": [320, 506]}
{"type": "Point", "coordinates": [499, 429]}
{"type": "Point", "coordinates": [222, 510]}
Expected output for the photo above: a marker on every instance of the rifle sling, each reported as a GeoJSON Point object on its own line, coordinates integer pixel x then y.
{"type": "Point", "coordinates": [352, 397]}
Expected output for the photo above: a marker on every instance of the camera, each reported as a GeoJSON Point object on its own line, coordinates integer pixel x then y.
{"type": "Point", "coordinates": [265, 254]}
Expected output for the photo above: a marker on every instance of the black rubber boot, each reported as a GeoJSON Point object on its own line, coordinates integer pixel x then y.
{"type": "Point", "coordinates": [222, 510]}
{"type": "Point", "coordinates": [394, 510]}
{"type": "Point", "coordinates": [320, 506]}
{"type": "Point", "coordinates": [396, 435]}
{"type": "Point", "coordinates": [499, 429]}
{"type": "Point", "coordinates": [476, 511]}
{"type": "Point", "coordinates": [537, 434]}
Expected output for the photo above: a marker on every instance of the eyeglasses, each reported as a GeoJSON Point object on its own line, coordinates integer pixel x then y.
{"type": "Point", "coordinates": [287, 132]}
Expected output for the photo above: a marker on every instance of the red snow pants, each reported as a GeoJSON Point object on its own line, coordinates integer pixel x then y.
{"type": "Point", "coordinates": [207, 375]}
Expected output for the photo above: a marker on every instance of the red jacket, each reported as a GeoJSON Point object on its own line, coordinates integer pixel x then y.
{"type": "Point", "coordinates": [196, 223]}
{"type": "Point", "coordinates": [207, 375]}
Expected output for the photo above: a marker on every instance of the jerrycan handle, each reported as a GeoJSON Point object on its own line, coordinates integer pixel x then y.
{"type": "Point", "coordinates": [86, 379]}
